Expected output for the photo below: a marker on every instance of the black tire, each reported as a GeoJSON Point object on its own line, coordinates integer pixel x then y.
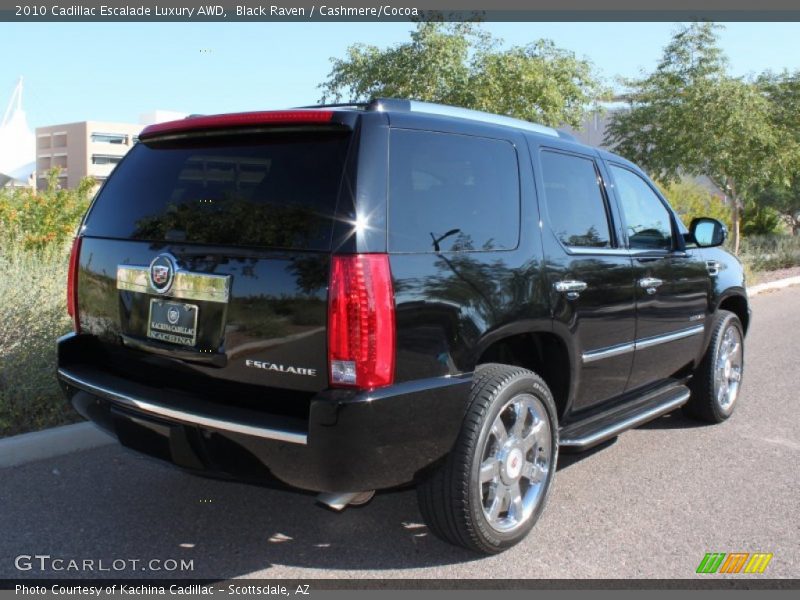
{"type": "Point", "coordinates": [452, 498]}
{"type": "Point", "coordinates": [705, 403]}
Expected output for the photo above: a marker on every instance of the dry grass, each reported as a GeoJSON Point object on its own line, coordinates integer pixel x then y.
{"type": "Point", "coordinates": [33, 315]}
{"type": "Point", "coordinates": [770, 252]}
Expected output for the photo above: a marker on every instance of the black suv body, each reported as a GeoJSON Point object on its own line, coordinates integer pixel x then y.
{"type": "Point", "coordinates": [347, 299]}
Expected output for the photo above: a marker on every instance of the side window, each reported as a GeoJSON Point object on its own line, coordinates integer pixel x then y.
{"type": "Point", "coordinates": [452, 193]}
{"type": "Point", "coordinates": [575, 204]}
{"type": "Point", "coordinates": [648, 221]}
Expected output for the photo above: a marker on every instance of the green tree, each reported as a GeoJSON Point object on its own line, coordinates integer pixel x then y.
{"type": "Point", "coordinates": [783, 200]}
{"type": "Point", "coordinates": [690, 117]}
{"type": "Point", "coordinates": [463, 65]}
{"type": "Point", "coordinates": [783, 194]}
{"type": "Point", "coordinates": [783, 91]}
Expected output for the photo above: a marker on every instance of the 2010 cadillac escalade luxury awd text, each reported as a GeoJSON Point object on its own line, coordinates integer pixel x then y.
{"type": "Point", "coordinates": [345, 299]}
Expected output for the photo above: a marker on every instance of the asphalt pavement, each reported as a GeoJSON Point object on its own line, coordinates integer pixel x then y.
{"type": "Point", "coordinates": [647, 505]}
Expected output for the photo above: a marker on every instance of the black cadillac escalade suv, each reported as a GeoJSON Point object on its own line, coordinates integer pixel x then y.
{"type": "Point", "coordinates": [352, 298]}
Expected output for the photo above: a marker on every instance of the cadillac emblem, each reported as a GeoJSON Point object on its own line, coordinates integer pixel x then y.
{"type": "Point", "coordinates": [162, 272]}
{"type": "Point", "coordinates": [173, 315]}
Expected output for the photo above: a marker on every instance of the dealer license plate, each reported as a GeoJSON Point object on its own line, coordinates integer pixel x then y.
{"type": "Point", "coordinates": [172, 322]}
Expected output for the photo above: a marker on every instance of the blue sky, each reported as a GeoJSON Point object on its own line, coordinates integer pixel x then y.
{"type": "Point", "coordinates": [115, 72]}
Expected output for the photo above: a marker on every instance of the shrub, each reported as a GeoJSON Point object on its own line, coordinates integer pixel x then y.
{"type": "Point", "coordinates": [35, 233]}
{"type": "Point", "coordinates": [691, 200]}
{"type": "Point", "coordinates": [769, 252]}
{"type": "Point", "coordinates": [758, 220]}
{"type": "Point", "coordinates": [39, 219]}
{"type": "Point", "coordinates": [33, 313]}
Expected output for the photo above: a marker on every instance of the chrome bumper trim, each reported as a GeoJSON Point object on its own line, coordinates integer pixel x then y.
{"type": "Point", "coordinates": [159, 410]}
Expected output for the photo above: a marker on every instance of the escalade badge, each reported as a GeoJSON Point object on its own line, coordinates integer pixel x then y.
{"type": "Point", "coordinates": [270, 366]}
{"type": "Point", "coordinates": [162, 272]}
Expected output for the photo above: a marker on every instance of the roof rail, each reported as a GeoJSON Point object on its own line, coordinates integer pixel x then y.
{"type": "Point", "coordinates": [431, 108]}
{"type": "Point", "coordinates": [566, 135]}
{"type": "Point", "coordinates": [382, 104]}
{"type": "Point", "coordinates": [362, 105]}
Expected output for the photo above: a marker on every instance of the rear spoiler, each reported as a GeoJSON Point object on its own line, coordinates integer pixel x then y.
{"type": "Point", "coordinates": [240, 120]}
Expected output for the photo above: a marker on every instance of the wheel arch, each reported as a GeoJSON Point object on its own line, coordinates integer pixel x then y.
{"type": "Point", "coordinates": [540, 350]}
{"type": "Point", "coordinates": [737, 303]}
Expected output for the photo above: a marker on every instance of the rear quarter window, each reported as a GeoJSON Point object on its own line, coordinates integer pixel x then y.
{"type": "Point", "coordinates": [272, 190]}
{"type": "Point", "coordinates": [452, 193]}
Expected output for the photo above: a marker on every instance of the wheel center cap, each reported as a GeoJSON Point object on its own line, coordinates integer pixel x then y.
{"type": "Point", "coordinates": [514, 463]}
{"type": "Point", "coordinates": [728, 369]}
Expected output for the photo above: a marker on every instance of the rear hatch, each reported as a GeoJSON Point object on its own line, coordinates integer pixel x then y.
{"type": "Point", "coordinates": [205, 258]}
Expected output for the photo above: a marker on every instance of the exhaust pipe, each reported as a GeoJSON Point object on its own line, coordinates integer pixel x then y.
{"type": "Point", "coordinates": [338, 501]}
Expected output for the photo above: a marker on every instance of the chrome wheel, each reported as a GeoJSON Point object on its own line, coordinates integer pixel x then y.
{"type": "Point", "coordinates": [728, 369]}
{"type": "Point", "coordinates": [493, 486]}
{"type": "Point", "coordinates": [516, 460]}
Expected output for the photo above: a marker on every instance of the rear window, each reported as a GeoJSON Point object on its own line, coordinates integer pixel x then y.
{"type": "Point", "coordinates": [278, 191]}
{"type": "Point", "coordinates": [452, 193]}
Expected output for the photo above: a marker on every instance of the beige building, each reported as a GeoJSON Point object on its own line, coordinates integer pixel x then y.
{"type": "Point", "coordinates": [88, 148]}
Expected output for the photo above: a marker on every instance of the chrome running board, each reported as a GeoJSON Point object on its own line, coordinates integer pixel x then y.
{"type": "Point", "coordinates": [608, 424]}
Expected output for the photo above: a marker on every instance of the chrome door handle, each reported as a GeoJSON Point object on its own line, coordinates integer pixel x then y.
{"type": "Point", "coordinates": [650, 284]}
{"type": "Point", "coordinates": [572, 288]}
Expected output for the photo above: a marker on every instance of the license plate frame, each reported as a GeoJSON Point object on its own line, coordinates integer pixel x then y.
{"type": "Point", "coordinates": [166, 331]}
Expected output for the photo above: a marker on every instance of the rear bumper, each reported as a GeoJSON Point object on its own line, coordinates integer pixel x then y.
{"type": "Point", "coordinates": [351, 441]}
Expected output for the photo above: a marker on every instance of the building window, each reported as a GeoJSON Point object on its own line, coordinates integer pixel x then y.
{"type": "Point", "coordinates": [44, 163]}
{"type": "Point", "coordinates": [44, 142]}
{"type": "Point", "coordinates": [105, 159]}
{"type": "Point", "coordinates": [59, 140]}
{"type": "Point", "coordinates": [110, 138]}
{"type": "Point", "coordinates": [60, 161]}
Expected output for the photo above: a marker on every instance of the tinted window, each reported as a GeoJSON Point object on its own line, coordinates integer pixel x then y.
{"type": "Point", "coordinates": [575, 204]}
{"type": "Point", "coordinates": [267, 191]}
{"type": "Point", "coordinates": [647, 219]}
{"type": "Point", "coordinates": [452, 193]}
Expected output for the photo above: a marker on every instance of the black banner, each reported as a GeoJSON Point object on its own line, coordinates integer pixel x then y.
{"type": "Point", "coordinates": [394, 10]}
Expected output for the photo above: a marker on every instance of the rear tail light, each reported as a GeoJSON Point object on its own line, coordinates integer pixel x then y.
{"type": "Point", "coordinates": [72, 283]}
{"type": "Point", "coordinates": [361, 324]}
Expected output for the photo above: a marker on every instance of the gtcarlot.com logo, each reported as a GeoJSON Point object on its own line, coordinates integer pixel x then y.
{"type": "Point", "coordinates": [46, 563]}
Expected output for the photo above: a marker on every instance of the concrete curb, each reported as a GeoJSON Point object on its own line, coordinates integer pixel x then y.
{"type": "Point", "coordinates": [773, 285]}
{"type": "Point", "coordinates": [38, 445]}
{"type": "Point", "coordinates": [29, 447]}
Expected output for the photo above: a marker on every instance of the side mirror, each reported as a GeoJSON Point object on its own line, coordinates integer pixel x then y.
{"type": "Point", "coordinates": [707, 232]}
